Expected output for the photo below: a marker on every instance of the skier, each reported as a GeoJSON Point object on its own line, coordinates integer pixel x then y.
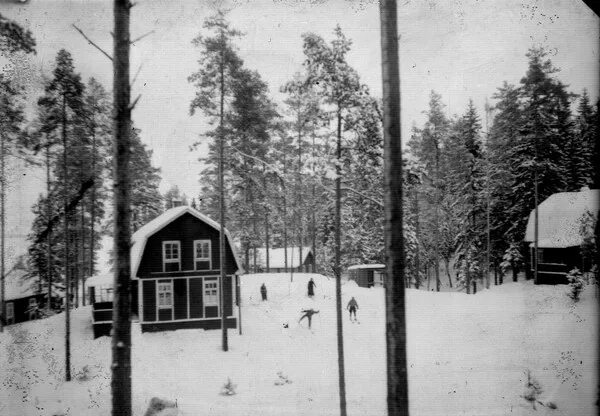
{"type": "Point", "coordinates": [308, 313]}
{"type": "Point", "coordinates": [311, 286]}
{"type": "Point", "coordinates": [263, 292]}
{"type": "Point", "coordinates": [352, 307]}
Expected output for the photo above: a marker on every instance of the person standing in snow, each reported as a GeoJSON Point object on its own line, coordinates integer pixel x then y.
{"type": "Point", "coordinates": [308, 313]}
{"type": "Point", "coordinates": [263, 292]}
{"type": "Point", "coordinates": [311, 288]}
{"type": "Point", "coordinates": [352, 307]}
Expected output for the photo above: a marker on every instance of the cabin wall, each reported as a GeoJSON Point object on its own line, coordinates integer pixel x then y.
{"type": "Point", "coordinates": [21, 306]}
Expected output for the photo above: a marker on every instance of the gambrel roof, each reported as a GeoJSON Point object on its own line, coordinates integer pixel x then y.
{"type": "Point", "coordinates": [140, 237]}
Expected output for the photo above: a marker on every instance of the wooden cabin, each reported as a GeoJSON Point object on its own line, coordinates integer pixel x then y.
{"type": "Point", "coordinates": [175, 269]}
{"type": "Point", "coordinates": [300, 260]}
{"type": "Point", "coordinates": [21, 298]}
{"type": "Point", "coordinates": [559, 237]}
{"type": "Point", "coordinates": [367, 275]}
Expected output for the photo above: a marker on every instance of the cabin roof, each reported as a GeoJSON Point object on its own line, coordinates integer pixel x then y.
{"type": "Point", "coordinates": [140, 237]}
{"type": "Point", "coordinates": [277, 257]}
{"type": "Point", "coordinates": [559, 218]}
{"type": "Point", "coordinates": [367, 266]}
{"type": "Point", "coordinates": [16, 286]}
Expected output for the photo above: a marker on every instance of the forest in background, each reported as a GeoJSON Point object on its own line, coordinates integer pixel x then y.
{"type": "Point", "coordinates": [281, 162]}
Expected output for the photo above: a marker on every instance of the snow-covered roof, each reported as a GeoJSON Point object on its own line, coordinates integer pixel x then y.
{"type": "Point", "coordinates": [104, 275]}
{"type": "Point", "coordinates": [16, 286]}
{"type": "Point", "coordinates": [140, 237]}
{"type": "Point", "coordinates": [277, 257]}
{"type": "Point", "coordinates": [367, 266]}
{"type": "Point", "coordinates": [559, 218]}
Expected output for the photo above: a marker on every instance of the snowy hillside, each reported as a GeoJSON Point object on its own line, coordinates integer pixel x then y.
{"type": "Point", "coordinates": [468, 355]}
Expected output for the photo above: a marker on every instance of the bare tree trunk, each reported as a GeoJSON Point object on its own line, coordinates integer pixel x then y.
{"type": "Point", "coordinates": [2, 223]}
{"type": "Point", "coordinates": [93, 208]}
{"type": "Point", "coordinates": [313, 220]}
{"type": "Point", "coordinates": [121, 335]}
{"type": "Point", "coordinates": [337, 266]}
{"type": "Point", "coordinates": [397, 377]}
{"type": "Point", "coordinates": [536, 223]}
{"type": "Point", "coordinates": [417, 234]}
{"type": "Point", "coordinates": [223, 259]}
{"type": "Point", "coordinates": [285, 241]}
{"type": "Point", "coordinates": [49, 235]}
{"type": "Point", "coordinates": [66, 248]}
{"type": "Point", "coordinates": [267, 245]}
{"type": "Point", "coordinates": [447, 264]}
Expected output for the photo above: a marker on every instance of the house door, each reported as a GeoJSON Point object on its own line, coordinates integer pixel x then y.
{"type": "Point", "coordinates": [211, 298]}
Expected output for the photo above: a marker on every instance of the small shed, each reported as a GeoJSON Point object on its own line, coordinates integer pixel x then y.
{"type": "Point", "coordinates": [367, 275]}
{"type": "Point", "coordinates": [299, 260]}
{"type": "Point", "coordinates": [22, 301]}
{"type": "Point", "coordinates": [559, 234]}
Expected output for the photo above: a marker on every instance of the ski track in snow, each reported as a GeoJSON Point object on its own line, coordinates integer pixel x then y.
{"type": "Point", "coordinates": [467, 355]}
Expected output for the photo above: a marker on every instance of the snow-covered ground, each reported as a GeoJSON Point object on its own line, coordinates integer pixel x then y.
{"type": "Point", "coordinates": [467, 355]}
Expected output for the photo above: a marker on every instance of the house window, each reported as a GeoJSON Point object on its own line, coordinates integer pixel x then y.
{"type": "Point", "coordinates": [211, 293]}
{"type": "Point", "coordinates": [202, 258]}
{"type": "Point", "coordinates": [171, 256]}
{"type": "Point", "coordinates": [33, 308]}
{"type": "Point", "coordinates": [10, 313]}
{"type": "Point", "coordinates": [165, 295]}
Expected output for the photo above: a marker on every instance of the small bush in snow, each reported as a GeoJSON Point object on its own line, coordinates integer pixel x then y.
{"type": "Point", "coordinates": [228, 388]}
{"type": "Point", "coordinates": [575, 278]}
{"type": "Point", "coordinates": [282, 379]}
{"type": "Point", "coordinates": [84, 374]}
{"type": "Point", "coordinates": [158, 405]}
{"type": "Point", "coordinates": [532, 390]}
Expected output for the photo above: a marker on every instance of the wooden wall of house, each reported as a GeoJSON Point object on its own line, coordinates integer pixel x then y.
{"type": "Point", "coordinates": [181, 310]}
{"type": "Point", "coordinates": [21, 306]}
{"type": "Point", "coordinates": [184, 229]}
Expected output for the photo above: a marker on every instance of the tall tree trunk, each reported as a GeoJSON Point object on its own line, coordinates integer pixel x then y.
{"type": "Point", "coordinates": [223, 259]}
{"type": "Point", "coordinates": [447, 264]}
{"type": "Point", "coordinates": [49, 235]}
{"type": "Point", "coordinates": [417, 234]}
{"type": "Point", "coordinates": [536, 222]}
{"type": "Point", "coordinates": [121, 337]}
{"type": "Point", "coordinates": [2, 223]}
{"type": "Point", "coordinates": [285, 241]}
{"type": "Point", "coordinates": [266, 207]}
{"type": "Point", "coordinates": [299, 204]}
{"type": "Point", "coordinates": [93, 209]}
{"type": "Point", "coordinates": [397, 378]}
{"type": "Point", "coordinates": [337, 265]}
{"type": "Point", "coordinates": [67, 270]}
{"type": "Point", "coordinates": [313, 220]}
{"type": "Point", "coordinates": [437, 218]}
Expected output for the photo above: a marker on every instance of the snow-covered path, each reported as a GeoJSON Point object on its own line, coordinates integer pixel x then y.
{"type": "Point", "coordinates": [467, 356]}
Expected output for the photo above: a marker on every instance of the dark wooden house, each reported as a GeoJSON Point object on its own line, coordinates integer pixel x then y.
{"type": "Point", "coordinates": [175, 268]}
{"type": "Point", "coordinates": [21, 299]}
{"type": "Point", "coordinates": [298, 260]}
{"type": "Point", "coordinates": [559, 234]}
{"type": "Point", "coordinates": [367, 275]}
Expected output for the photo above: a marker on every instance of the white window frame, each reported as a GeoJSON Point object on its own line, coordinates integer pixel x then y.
{"type": "Point", "coordinates": [217, 303]}
{"type": "Point", "coordinates": [32, 302]}
{"type": "Point", "coordinates": [209, 258]}
{"type": "Point", "coordinates": [159, 291]}
{"type": "Point", "coordinates": [10, 312]}
{"type": "Point", "coordinates": [164, 254]}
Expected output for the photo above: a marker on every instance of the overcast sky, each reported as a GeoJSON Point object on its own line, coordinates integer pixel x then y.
{"type": "Point", "coordinates": [461, 49]}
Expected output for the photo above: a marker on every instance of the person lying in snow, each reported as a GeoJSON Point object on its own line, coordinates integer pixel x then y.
{"type": "Point", "coordinates": [352, 307]}
{"type": "Point", "coordinates": [308, 313]}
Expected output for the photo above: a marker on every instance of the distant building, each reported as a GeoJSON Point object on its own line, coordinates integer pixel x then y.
{"type": "Point", "coordinates": [298, 260]}
{"type": "Point", "coordinates": [175, 267]}
{"type": "Point", "coordinates": [559, 237]}
{"type": "Point", "coordinates": [21, 299]}
{"type": "Point", "coordinates": [367, 275]}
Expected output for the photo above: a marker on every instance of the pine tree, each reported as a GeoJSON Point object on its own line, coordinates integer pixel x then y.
{"type": "Point", "coordinates": [219, 64]}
